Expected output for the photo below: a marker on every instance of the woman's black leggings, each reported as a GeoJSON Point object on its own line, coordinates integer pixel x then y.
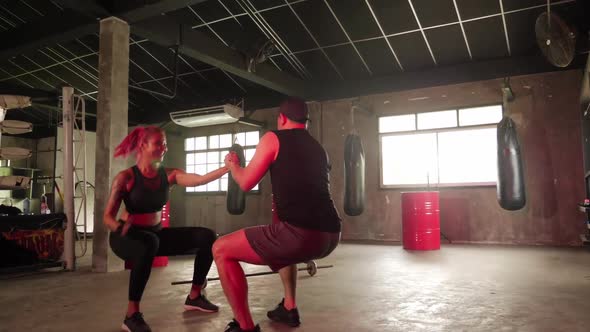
{"type": "Point", "coordinates": [141, 244]}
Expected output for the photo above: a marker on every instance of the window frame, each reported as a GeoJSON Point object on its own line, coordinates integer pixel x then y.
{"type": "Point", "coordinates": [218, 192]}
{"type": "Point", "coordinates": [436, 131]}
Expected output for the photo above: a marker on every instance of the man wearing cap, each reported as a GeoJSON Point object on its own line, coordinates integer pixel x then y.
{"type": "Point", "coordinates": [306, 224]}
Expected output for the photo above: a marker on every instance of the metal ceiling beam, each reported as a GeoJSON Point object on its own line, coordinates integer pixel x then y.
{"type": "Point", "coordinates": [152, 9]}
{"type": "Point", "coordinates": [135, 118]}
{"type": "Point", "coordinates": [164, 31]}
{"type": "Point", "coordinates": [78, 19]}
{"type": "Point", "coordinates": [118, 8]}
{"type": "Point", "coordinates": [48, 99]}
{"type": "Point", "coordinates": [47, 30]}
{"type": "Point", "coordinates": [456, 74]}
{"type": "Point", "coordinates": [87, 7]}
{"type": "Point", "coordinates": [39, 94]}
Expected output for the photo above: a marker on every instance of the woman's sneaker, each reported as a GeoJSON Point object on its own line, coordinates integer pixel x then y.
{"type": "Point", "coordinates": [282, 315]}
{"type": "Point", "coordinates": [234, 326]}
{"type": "Point", "coordinates": [135, 323]}
{"type": "Point", "coordinates": [200, 303]}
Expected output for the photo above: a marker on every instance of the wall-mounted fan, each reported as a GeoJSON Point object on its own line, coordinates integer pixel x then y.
{"type": "Point", "coordinates": [555, 38]}
{"type": "Point", "coordinates": [260, 54]}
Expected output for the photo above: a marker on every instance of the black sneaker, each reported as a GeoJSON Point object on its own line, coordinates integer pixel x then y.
{"type": "Point", "coordinates": [282, 315]}
{"type": "Point", "coordinates": [234, 326]}
{"type": "Point", "coordinates": [135, 323]}
{"type": "Point", "coordinates": [200, 303]}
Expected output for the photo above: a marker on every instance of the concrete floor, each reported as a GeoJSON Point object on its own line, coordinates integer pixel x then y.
{"type": "Point", "coordinates": [371, 288]}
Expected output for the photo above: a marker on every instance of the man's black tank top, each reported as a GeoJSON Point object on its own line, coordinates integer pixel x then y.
{"type": "Point", "coordinates": [142, 199]}
{"type": "Point", "coordinates": [301, 184]}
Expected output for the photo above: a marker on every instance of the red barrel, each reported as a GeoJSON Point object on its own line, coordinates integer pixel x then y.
{"type": "Point", "coordinates": [159, 261]}
{"type": "Point", "coordinates": [421, 220]}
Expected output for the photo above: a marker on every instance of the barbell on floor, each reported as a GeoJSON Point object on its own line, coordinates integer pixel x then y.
{"type": "Point", "coordinates": [311, 268]}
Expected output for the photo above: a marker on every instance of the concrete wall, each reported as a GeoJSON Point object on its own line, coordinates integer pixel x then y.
{"type": "Point", "coordinates": [209, 210]}
{"type": "Point", "coordinates": [547, 114]}
{"type": "Point", "coordinates": [46, 164]}
{"type": "Point", "coordinates": [175, 158]}
{"type": "Point", "coordinates": [46, 155]}
{"type": "Point", "coordinates": [16, 197]}
{"type": "Point", "coordinates": [546, 111]}
{"type": "Point", "coordinates": [90, 138]}
{"type": "Point", "coordinates": [48, 158]}
{"type": "Point", "coordinates": [20, 142]}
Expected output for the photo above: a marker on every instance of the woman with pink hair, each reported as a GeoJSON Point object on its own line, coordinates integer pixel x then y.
{"type": "Point", "coordinates": [138, 237]}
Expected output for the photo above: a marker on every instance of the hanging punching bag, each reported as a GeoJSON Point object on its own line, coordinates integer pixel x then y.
{"type": "Point", "coordinates": [354, 176]}
{"type": "Point", "coordinates": [236, 197]}
{"type": "Point", "coordinates": [510, 189]}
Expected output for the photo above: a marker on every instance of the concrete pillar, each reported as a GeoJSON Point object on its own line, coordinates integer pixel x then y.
{"type": "Point", "coordinates": [111, 124]}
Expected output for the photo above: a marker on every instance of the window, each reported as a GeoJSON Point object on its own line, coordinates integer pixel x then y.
{"type": "Point", "coordinates": [205, 154]}
{"type": "Point", "coordinates": [444, 148]}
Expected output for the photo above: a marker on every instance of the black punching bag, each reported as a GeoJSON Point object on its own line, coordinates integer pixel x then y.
{"type": "Point", "coordinates": [510, 189]}
{"type": "Point", "coordinates": [354, 176]}
{"type": "Point", "coordinates": [236, 197]}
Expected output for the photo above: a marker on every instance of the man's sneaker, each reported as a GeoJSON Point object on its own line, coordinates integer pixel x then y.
{"type": "Point", "coordinates": [282, 315]}
{"type": "Point", "coordinates": [234, 326]}
{"type": "Point", "coordinates": [200, 303]}
{"type": "Point", "coordinates": [135, 323]}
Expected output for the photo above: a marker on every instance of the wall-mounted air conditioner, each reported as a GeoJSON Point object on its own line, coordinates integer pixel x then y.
{"type": "Point", "coordinates": [207, 116]}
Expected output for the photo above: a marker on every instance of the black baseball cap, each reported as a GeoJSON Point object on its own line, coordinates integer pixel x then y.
{"type": "Point", "coordinates": [295, 109]}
